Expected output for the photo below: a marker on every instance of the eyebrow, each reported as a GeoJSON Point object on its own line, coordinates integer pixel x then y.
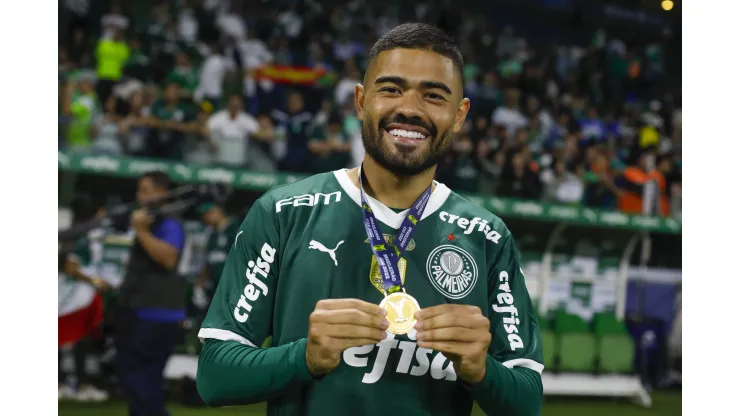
{"type": "Point", "coordinates": [403, 82]}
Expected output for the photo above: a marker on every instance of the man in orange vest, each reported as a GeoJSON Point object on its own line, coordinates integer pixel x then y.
{"type": "Point", "coordinates": [635, 183]}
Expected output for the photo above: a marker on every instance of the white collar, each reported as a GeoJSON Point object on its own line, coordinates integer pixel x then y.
{"type": "Point", "coordinates": [384, 214]}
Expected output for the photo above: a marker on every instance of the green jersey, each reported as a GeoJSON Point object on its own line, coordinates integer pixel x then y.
{"type": "Point", "coordinates": [219, 244]}
{"type": "Point", "coordinates": [306, 241]}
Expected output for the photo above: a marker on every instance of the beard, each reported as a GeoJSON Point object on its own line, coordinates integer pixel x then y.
{"type": "Point", "coordinates": [402, 161]}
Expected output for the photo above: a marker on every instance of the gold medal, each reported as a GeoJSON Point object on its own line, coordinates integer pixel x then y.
{"type": "Point", "coordinates": [401, 311]}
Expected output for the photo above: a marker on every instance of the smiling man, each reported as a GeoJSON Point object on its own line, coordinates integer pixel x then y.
{"type": "Point", "coordinates": [384, 291]}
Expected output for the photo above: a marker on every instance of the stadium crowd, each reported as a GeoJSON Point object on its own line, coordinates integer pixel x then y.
{"type": "Point", "coordinates": [268, 86]}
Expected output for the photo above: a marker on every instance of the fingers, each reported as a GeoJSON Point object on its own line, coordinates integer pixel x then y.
{"type": "Point", "coordinates": [450, 348]}
{"type": "Point", "coordinates": [453, 329]}
{"type": "Point", "coordinates": [367, 307]}
{"type": "Point", "coordinates": [452, 334]}
{"type": "Point", "coordinates": [452, 319]}
{"type": "Point", "coordinates": [348, 331]}
{"type": "Point", "coordinates": [348, 316]}
{"type": "Point", "coordinates": [446, 309]}
{"type": "Point", "coordinates": [344, 344]}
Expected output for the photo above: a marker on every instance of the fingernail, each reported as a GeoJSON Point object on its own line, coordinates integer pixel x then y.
{"type": "Point", "coordinates": [418, 325]}
{"type": "Point", "coordinates": [385, 323]}
{"type": "Point", "coordinates": [419, 315]}
{"type": "Point", "coordinates": [419, 336]}
{"type": "Point", "coordinates": [381, 311]}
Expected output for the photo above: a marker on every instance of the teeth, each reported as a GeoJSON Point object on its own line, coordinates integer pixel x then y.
{"type": "Point", "coordinates": [407, 134]}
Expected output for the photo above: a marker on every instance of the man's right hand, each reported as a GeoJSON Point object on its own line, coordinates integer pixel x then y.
{"type": "Point", "coordinates": [338, 324]}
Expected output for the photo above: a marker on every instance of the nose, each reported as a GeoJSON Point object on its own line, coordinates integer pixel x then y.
{"type": "Point", "coordinates": [410, 106]}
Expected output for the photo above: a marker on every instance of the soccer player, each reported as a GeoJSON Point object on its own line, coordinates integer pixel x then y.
{"type": "Point", "coordinates": [384, 291]}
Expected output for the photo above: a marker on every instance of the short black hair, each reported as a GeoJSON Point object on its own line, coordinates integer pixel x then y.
{"type": "Point", "coordinates": [419, 36]}
{"type": "Point", "coordinates": [159, 179]}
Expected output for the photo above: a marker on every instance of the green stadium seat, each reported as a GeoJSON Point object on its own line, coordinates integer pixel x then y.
{"type": "Point", "coordinates": [616, 350]}
{"type": "Point", "coordinates": [575, 344]}
{"type": "Point", "coordinates": [616, 353]}
{"type": "Point", "coordinates": [577, 352]}
{"type": "Point", "coordinates": [549, 348]}
{"type": "Point", "coordinates": [607, 323]}
{"type": "Point", "coordinates": [565, 322]}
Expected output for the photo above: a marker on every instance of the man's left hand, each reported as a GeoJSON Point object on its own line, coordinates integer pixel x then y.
{"type": "Point", "coordinates": [140, 219]}
{"type": "Point", "coordinates": [461, 333]}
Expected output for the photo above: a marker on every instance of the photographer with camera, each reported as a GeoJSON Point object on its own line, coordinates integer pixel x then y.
{"type": "Point", "coordinates": [151, 302]}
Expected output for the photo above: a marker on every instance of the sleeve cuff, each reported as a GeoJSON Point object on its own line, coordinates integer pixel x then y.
{"type": "Point", "coordinates": [298, 360]}
{"type": "Point", "coordinates": [493, 368]}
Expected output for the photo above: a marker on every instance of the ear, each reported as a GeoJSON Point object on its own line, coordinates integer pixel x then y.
{"type": "Point", "coordinates": [360, 101]}
{"type": "Point", "coordinates": [462, 112]}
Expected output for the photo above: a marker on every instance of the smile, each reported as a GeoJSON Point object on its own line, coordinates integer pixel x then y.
{"type": "Point", "coordinates": [408, 135]}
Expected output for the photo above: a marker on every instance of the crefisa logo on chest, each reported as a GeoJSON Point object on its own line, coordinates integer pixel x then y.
{"type": "Point", "coordinates": [452, 271]}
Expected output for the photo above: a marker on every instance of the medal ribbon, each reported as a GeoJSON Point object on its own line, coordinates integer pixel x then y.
{"type": "Point", "coordinates": [386, 254]}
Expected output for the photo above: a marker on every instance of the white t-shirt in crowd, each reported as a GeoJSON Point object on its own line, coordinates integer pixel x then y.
{"type": "Point", "coordinates": [212, 77]}
{"type": "Point", "coordinates": [231, 136]}
{"type": "Point", "coordinates": [345, 90]}
{"type": "Point", "coordinates": [232, 25]}
{"type": "Point", "coordinates": [510, 118]}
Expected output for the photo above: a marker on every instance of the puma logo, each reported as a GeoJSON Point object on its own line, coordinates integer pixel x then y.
{"type": "Point", "coordinates": [315, 245]}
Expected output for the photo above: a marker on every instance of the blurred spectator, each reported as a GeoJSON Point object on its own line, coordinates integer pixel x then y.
{"type": "Point", "coordinates": [464, 173]}
{"type": "Point", "coordinates": [82, 108]}
{"type": "Point", "coordinates": [488, 95]}
{"type": "Point", "coordinates": [135, 126]}
{"type": "Point", "coordinates": [168, 117]}
{"type": "Point", "coordinates": [138, 63]}
{"type": "Point", "coordinates": [230, 131]}
{"type": "Point", "coordinates": [212, 73]}
{"type": "Point", "coordinates": [669, 168]}
{"type": "Point", "coordinates": [597, 173]}
{"type": "Point", "coordinates": [111, 54]}
{"type": "Point", "coordinates": [519, 180]}
{"type": "Point", "coordinates": [231, 23]}
{"type": "Point", "coordinates": [107, 140]}
{"type": "Point", "coordinates": [114, 21]}
{"type": "Point", "coordinates": [592, 127]}
{"type": "Point", "coordinates": [509, 115]}
{"type": "Point", "coordinates": [187, 23]}
{"type": "Point", "coordinates": [292, 149]}
{"type": "Point", "coordinates": [184, 75]}
{"type": "Point", "coordinates": [644, 187]}
{"type": "Point", "coordinates": [329, 145]}
{"type": "Point", "coordinates": [561, 185]}
{"type": "Point", "coordinates": [78, 49]}
{"type": "Point", "coordinates": [345, 89]}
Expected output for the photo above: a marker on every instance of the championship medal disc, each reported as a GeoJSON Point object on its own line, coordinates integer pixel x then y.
{"type": "Point", "coordinates": [401, 311]}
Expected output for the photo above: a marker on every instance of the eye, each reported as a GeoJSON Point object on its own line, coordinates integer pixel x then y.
{"type": "Point", "coordinates": [391, 90]}
{"type": "Point", "coordinates": [434, 96]}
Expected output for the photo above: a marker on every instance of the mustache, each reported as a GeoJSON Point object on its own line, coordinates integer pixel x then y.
{"type": "Point", "coordinates": [411, 121]}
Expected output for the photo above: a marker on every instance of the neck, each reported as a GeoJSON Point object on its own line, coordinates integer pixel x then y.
{"type": "Point", "coordinates": [391, 190]}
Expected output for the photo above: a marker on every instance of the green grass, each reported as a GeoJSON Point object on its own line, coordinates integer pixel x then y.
{"type": "Point", "coordinates": [664, 404]}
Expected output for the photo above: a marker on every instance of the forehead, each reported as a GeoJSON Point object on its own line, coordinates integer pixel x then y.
{"type": "Point", "coordinates": [146, 182]}
{"type": "Point", "coordinates": [415, 65]}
